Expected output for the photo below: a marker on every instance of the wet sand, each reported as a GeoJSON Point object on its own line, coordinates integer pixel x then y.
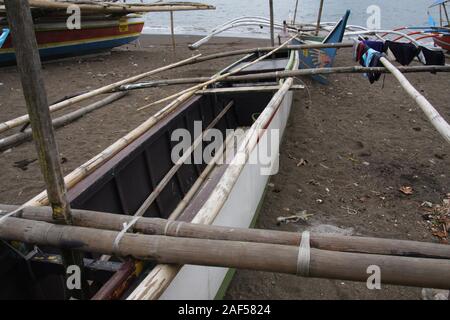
{"type": "Point", "coordinates": [361, 144]}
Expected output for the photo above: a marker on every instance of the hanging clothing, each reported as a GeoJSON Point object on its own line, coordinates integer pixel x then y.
{"type": "Point", "coordinates": [368, 56]}
{"type": "Point", "coordinates": [431, 56]}
{"type": "Point", "coordinates": [375, 45]}
{"type": "Point", "coordinates": [404, 52]}
{"type": "Point", "coordinates": [361, 50]}
{"type": "Point", "coordinates": [4, 36]}
{"type": "Point", "coordinates": [375, 62]}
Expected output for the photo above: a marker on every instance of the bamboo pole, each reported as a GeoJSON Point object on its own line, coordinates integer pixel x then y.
{"type": "Point", "coordinates": [267, 49]}
{"type": "Point", "coordinates": [29, 67]}
{"type": "Point", "coordinates": [21, 137]}
{"type": "Point", "coordinates": [172, 228]}
{"type": "Point", "coordinates": [172, 172]}
{"type": "Point", "coordinates": [24, 119]}
{"type": "Point", "coordinates": [219, 77]}
{"type": "Point", "coordinates": [199, 182]}
{"type": "Point", "coordinates": [431, 113]}
{"type": "Point", "coordinates": [107, 7]}
{"type": "Point", "coordinates": [246, 89]}
{"type": "Point", "coordinates": [418, 272]}
{"type": "Point", "coordinates": [196, 59]}
{"type": "Point", "coordinates": [272, 28]}
{"type": "Point", "coordinates": [319, 18]}
{"type": "Point", "coordinates": [283, 75]}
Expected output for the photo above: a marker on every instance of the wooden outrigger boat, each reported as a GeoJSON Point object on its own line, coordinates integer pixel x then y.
{"type": "Point", "coordinates": [124, 182]}
{"type": "Point", "coordinates": [103, 26]}
{"type": "Point", "coordinates": [141, 179]}
{"type": "Point", "coordinates": [138, 176]}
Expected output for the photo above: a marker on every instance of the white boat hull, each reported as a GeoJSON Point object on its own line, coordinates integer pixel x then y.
{"type": "Point", "coordinates": [240, 209]}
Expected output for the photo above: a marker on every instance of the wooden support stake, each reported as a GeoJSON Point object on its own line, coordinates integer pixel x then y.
{"type": "Point", "coordinates": [172, 31]}
{"type": "Point", "coordinates": [295, 13]}
{"type": "Point", "coordinates": [29, 66]}
{"type": "Point", "coordinates": [319, 18]}
{"type": "Point", "coordinates": [272, 21]}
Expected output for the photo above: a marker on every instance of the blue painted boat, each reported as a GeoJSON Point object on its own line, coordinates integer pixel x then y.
{"type": "Point", "coordinates": [323, 58]}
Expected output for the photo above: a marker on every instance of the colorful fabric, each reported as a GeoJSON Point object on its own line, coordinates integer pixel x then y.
{"type": "Point", "coordinates": [4, 36]}
{"type": "Point", "coordinates": [368, 56]}
{"type": "Point", "coordinates": [375, 62]}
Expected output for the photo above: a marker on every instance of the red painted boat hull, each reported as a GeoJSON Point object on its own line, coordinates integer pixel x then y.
{"type": "Point", "coordinates": [443, 41]}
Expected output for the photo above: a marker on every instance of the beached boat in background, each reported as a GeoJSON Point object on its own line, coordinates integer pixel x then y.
{"type": "Point", "coordinates": [103, 26]}
{"type": "Point", "coordinates": [309, 58]}
{"type": "Point", "coordinates": [442, 29]}
{"type": "Point", "coordinates": [96, 35]}
{"type": "Point", "coordinates": [322, 58]}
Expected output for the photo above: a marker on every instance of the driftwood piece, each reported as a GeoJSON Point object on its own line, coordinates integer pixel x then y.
{"type": "Point", "coordinates": [27, 134]}
{"type": "Point", "coordinates": [417, 272]}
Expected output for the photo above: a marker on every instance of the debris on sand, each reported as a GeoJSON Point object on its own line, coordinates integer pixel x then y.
{"type": "Point", "coordinates": [434, 294]}
{"type": "Point", "coordinates": [407, 190]}
{"type": "Point", "coordinates": [301, 216]}
{"type": "Point", "coordinates": [438, 218]}
{"type": "Point", "coordinates": [330, 229]}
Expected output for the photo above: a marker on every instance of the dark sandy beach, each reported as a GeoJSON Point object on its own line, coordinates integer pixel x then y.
{"type": "Point", "coordinates": [360, 144]}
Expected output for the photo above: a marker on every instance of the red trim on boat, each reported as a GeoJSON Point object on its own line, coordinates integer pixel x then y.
{"type": "Point", "coordinates": [61, 36]}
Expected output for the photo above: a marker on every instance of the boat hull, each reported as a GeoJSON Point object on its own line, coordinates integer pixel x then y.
{"type": "Point", "coordinates": [239, 211]}
{"type": "Point", "coordinates": [55, 40]}
{"type": "Point", "coordinates": [323, 58]}
{"type": "Point", "coordinates": [442, 41]}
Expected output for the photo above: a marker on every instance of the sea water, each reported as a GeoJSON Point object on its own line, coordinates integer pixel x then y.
{"type": "Point", "coordinates": [394, 13]}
